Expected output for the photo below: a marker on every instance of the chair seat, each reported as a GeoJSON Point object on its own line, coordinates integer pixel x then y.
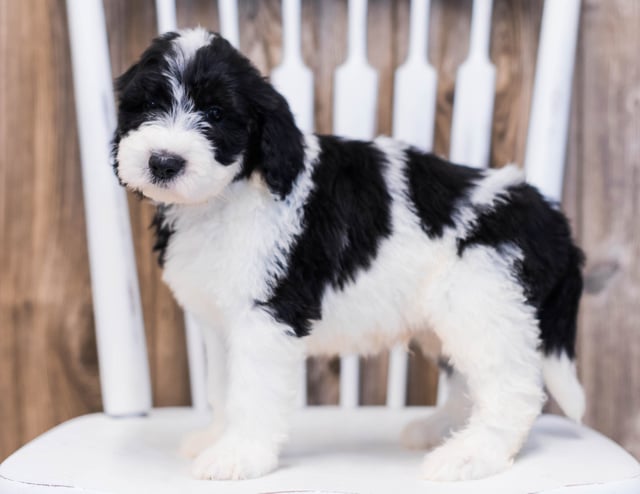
{"type": "Point", "coordinates": [331, 451]}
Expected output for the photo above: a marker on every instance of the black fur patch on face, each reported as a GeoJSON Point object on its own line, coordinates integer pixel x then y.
{"type": "Point", "coordinates": [550, 268]}
{"type": "Point", "coordinates": [435, 189]}
{"type": "Point", "coordinates": [213, 81]}
{"type": "Point", "coordinates": [346, 217]}
{"type": "Point", "coordinates": [163, 233]}
{"type": "Point", "coordinates": [144, 91]}
{"type": "Point", "coordinates": [255, 119]}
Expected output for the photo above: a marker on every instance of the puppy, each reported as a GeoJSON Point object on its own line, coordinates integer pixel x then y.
{"type": "Point", "coordinates": [284, 245]}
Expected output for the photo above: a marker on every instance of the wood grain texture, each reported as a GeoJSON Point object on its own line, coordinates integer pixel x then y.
{"type": "Point", "coordinates": [607, 103]}
{"type": "Point", "coordinates": [514, 47]}
{"type": "Point", "coordinates": [48, 362]}
{"type": "Point", "coordinates": [48, 366]}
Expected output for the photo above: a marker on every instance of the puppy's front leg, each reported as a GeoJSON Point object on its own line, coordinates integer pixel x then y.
{"type": "Point", "coordinates": [263, 363]}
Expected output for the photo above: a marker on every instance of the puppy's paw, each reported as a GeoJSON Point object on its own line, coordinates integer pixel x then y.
{"type": "Point", "coordinates": [426, 433]}
{"type": "Point", "coordinates": [457, 460]}
{"type": "Point", "coordinates": [197, 441]}
{"type": "Point", "coordinates": [235, 458]}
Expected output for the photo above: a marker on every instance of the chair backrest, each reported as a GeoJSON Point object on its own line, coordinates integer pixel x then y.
{"type": "Point", "coordinates": [124, 372]}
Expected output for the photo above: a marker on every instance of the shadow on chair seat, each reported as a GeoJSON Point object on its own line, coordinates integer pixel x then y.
{"type": "Point", "coordinates": [331, 450]}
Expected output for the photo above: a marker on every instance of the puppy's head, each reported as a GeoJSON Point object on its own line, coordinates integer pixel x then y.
{"type": "Point", "coordinates": [195, 115]}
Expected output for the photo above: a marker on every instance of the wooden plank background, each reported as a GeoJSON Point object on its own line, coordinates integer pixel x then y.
{"type": "Point", "coordinates": [48, 368]}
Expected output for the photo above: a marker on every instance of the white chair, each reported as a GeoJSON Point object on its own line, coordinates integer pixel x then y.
{"type": "Point", "coordinates": [132, 448]}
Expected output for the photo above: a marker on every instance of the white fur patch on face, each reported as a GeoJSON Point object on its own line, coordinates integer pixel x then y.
{"type": "Point", "coordinates": [189, 42]}
{"type": "Point", "coordinates": [185, 46]}
{"type": "Point", "coordinates": [202, 178]}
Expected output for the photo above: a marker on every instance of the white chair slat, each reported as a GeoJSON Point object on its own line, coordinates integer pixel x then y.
{"type": "Point", "coordinates": [474, 95]}
{"type": "Point", "coordinates": [415, 85]}
{"type": "Point", "coordinates": [349, 381]}
{"type": "Point", "coordinates": [473, 109]}
{"type": "Point", "coordinates": [292, 78]}
{"type": "Point", "coordinates": [124, 372]}
{"type": "Point", "coordinates": [356, 82]}
{"type": "Point", "coordinates": [397, 377]}
{"type": "Point", "coordinates": [166, 15]}
{"type": "Point", "coordinates": [551, 102]}
{"type": "Point", "coordinates": [415, 81]}
{"type": "Point", "coordinates": [197, 363]}
{"type": "Point", "coordinates": [443, 389]}
{"type": "Point", "coordinates": [228, 13]}
{"type": "Point", "coordinates": [355, 86]}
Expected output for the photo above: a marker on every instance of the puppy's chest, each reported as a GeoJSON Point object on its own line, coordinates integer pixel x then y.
{"type": "Point", "coordinates": [219, 262]}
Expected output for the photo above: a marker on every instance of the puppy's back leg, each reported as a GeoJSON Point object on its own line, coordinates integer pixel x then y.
{"type": "Point", "coordinates": [491, 335]}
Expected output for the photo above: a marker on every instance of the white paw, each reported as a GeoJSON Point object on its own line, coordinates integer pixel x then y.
{"type": "Point", "coordinates": [426, 433]}
{"type": "Point", "coordinates": [235, 458]}
{"type": "Point", "coordinates": [459, 460]}
{"type": "Point", "coordinates": [197, 441]}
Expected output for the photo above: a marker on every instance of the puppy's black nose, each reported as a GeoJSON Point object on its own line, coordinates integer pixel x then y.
{"type": "Point", "coordinates": [165, 166]}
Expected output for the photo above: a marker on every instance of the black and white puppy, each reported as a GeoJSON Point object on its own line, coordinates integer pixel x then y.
{"type": "Point", "coordinates": [284, 245]}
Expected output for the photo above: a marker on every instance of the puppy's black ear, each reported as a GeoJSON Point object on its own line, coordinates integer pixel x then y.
{"type": "Point", "coordinates": [278, 140]}
{"type": "Point", "coordinates": [123, 80]}
{"type": "Point", "coordinates": [152, 56]}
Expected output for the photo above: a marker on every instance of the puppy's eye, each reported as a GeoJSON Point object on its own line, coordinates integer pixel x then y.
{"type": "Point", "coordinates": [214, 114]}
{"type": "Point", "coordinates": [150, 105]}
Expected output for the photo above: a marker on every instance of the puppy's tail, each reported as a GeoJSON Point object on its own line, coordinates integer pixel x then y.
{"type": "Point", "coordinates": [558, 321]}
{"type": "Point", "coordinates": [560, 377]}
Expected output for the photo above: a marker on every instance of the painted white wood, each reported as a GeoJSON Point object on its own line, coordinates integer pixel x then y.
{"type": "Point", "coordinates": [415, 85]}
{"type": "Point", "coordinates": [167, 21]}
{"type": "Point", "coordinates": [397, 377]}
{"type": "Point", "coordinates": [331, 450]}
{"type": "Point", "coordinates": [551, 102]}
{"type": "Point", "coordinates": [414, 107]}
{"type": "Point", "coordinates": [292, 78]}
{"type": "Point", "coordinates": [124, 371]}
{"type": "Point", "coordinates": [166, 15]}
{"type": "Point", "coordinates": [356, 82]}
{"type": "Point", "coordinates": [354, 115]}
{"type": "Point", "coordinates": [349, 381]}
{"type": "Point", "coordinates": [228, 13]}
{"type": "Point", "coordinates": [443, 388]}
{"type": "Point", "coordinates": [474, 95]}
{"type": "Point", "coordinates": [197, 363]}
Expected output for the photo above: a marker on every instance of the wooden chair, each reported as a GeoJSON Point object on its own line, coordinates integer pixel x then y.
{"type": "Point", "coordinates": [132, 448]}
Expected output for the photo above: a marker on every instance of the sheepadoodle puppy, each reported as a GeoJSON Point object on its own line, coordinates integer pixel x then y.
{"type": "Point", "coordinates": [284, 245]}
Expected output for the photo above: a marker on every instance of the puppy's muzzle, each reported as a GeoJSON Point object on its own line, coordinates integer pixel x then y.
{"type": "Point", "coordinates": [165, 166]}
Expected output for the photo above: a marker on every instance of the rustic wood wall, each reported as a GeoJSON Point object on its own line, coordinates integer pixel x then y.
{"type": "Point", "coordinates": [48, 369]}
